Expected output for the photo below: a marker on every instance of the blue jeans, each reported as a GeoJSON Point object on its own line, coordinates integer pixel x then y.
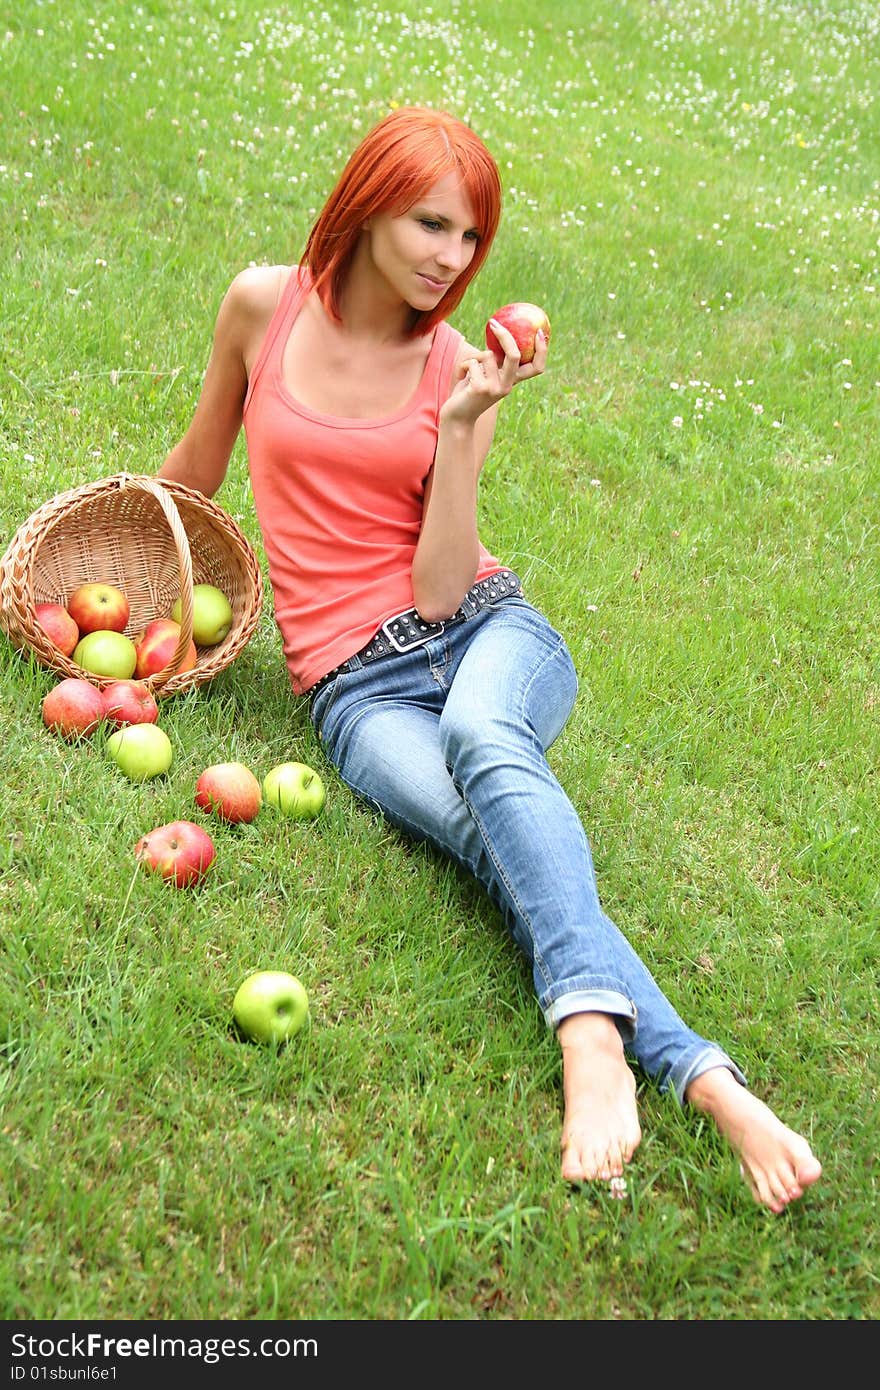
{"type": "Point", "coordinates": [448, 741]}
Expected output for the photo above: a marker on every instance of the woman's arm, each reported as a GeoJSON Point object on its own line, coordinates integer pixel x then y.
{"type": "Point", "coordinates": [201, 458]}
{"type": "Point", "coordinates": [447, 553]}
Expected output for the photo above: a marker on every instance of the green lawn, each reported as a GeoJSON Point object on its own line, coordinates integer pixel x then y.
{"type": "Point", "coordinates": [691, 493]}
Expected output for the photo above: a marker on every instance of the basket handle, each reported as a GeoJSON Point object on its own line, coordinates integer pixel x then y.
{"type": "Point", "coordinates": [172, 516]}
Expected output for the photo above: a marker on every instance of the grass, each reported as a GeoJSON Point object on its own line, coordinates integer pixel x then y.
{"type": "Point", "coordinates": [690, 493]}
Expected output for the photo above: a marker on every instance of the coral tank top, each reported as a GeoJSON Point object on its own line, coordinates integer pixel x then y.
{"type": "Point", "coordinates": [339, 501]}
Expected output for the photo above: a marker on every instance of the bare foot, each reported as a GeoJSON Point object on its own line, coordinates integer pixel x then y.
{"type": "Point", "coordinates": [777, 1163]}
{"type": "Point", "coordinates": [601, 1130]}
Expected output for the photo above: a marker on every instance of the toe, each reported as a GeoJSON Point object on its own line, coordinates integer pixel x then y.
{"type": "Point", "coordinates": [808, 1170]}
{"type": "Point", "coordinates": [572, 1169]}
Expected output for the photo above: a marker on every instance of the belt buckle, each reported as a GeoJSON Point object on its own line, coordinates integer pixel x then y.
{"type": "Point", "coordinates": [406, 646]}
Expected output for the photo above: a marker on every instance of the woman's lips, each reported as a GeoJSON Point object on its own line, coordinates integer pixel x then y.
{"type": "Point", "coordinates": [434, 284]}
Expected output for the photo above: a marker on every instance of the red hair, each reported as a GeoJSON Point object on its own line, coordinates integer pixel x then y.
{"type": "Point", "coordinates": [394, 165]}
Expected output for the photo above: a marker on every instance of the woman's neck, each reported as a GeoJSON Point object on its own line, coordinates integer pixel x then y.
{"type": "Point", "coordinates": [371, 311]}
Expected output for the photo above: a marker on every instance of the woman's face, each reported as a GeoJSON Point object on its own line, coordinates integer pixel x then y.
{"type": "Point", "coordinates": [421, 252]}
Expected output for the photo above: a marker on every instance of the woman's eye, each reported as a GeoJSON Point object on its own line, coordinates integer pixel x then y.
{"type": "Point", "coordinates": [431, 225]}
{"type": "Point", "coordinates": [472, 235]}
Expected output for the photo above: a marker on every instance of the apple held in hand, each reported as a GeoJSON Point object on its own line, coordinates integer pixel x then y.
{"type": "Point", "coordinates": [270, 1006]}
{"type": "Point", "coordinates": [231, 791]}
{"type": "Point", "coordinates": [107, 653]}
{"type": "Point", "coordinates": [58, 626]}
{"type": "Point", "coordinates": [155, 648]}
{"type": "Point", "coordinates": [212, 614]}
{"type": "Point", "coordinates": [141, 751]}
{"type": "Point", "coordinates": [524, 322]}
{"type": "Point", "coordinates": [182, 852]}
{"type": "Point", "coordinates": [73, 708]}
{"type": "Point", "coordinates": [295, 789]}
{"type": "Point", "coordinates": [129, 702]}
{"type": "Point", "coordinates": [98, 608]}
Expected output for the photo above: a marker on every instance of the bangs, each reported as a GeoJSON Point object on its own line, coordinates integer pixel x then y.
{"type": "Point", "coordinates": [421, 168]}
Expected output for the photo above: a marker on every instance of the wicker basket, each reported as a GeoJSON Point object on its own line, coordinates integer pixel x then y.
{"type": "Point", "coordinates": [154, 541]}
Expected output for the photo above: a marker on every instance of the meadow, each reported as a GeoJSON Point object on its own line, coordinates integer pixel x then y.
{"type": "Point", "coordinates": [690, 492]}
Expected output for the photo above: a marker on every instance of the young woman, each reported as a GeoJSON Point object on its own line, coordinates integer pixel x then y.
{"type": "Point", "coordinates": [435, 686]}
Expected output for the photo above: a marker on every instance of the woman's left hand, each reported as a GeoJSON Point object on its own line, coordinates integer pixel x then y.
{"type": "Point", "coordinates": [482, 382]}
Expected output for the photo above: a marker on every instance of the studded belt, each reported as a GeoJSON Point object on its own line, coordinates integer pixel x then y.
{"type": "Point", "coordinates": [409, 629]}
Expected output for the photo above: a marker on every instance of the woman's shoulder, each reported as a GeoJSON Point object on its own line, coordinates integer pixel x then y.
{"type": "Point", "coordinates": [248, 307]}
{"type": "Point", "coordinates": [256, 291]}
{"type": "Point", "coordinates": [465, 351]}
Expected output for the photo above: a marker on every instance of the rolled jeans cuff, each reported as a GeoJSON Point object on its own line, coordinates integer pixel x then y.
{"type": "Point", "coordinates": [598, 999]}
{"type": "Point", "coordinates": [694, 1064]}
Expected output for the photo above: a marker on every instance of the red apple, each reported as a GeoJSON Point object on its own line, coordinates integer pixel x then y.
{"type": "Point", "coordinates": [98, 607]}
{"type": "Point", "coordinates": [524, 321]}
{"type": "Point", "coordinates": [230, 790]}
{"type": "Point", "coordinates": [156, 647]}
{"type": "Point", "coordinates": [182, 852]}
{"type": "Point", "coordinates": [73, 708]}
{"type": "Point", "coordinates": [58, 626]}
{"type": "Point", "coordinates": [129, 702]}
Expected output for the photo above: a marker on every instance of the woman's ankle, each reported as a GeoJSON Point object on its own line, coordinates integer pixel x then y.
{"type": "Point", "coordinates": [592, 1031]}
{"type": "Point", "coordinates": [718, 1086]}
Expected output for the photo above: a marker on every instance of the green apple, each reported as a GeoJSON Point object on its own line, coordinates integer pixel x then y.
{"type": "Point", "coordinates": [295, 789]}
{"type": "Point", "coordinates": [212, 614]}
{"type": "Point", "coordinates": [140, 751]}
{"type": "Point", "coordinates": [270, 1006]}
{"type": "Point", "coordinates": [106, 653]}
